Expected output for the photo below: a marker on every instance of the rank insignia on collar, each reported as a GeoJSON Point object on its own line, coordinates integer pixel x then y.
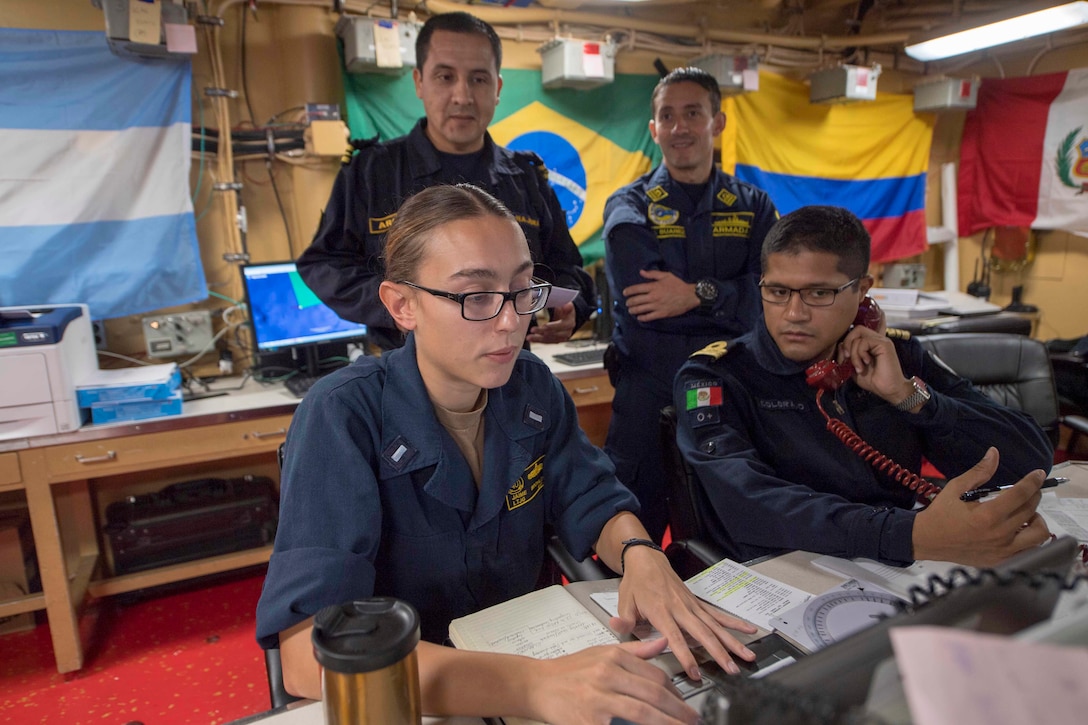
{"type": "Point", "coordinates": [726, 197]}
{"type": "Point", "coordinates": [714, 351]}
{"type": "Point", "coordinates": [535, 418]}
{"type": "Point", "coordinates": [895, 333]}
{"type": "Point", "coordinates": [656, 194]}
{"type": "Point", "coordinates": [399, 453]}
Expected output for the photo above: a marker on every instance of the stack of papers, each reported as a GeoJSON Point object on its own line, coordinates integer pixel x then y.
{"type": "Point", "coordinates": [907, 304]}
{"type": "Point", "coordinates": [135, 393]}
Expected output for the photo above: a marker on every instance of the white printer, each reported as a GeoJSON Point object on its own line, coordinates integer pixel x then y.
{"type": "Point", "coordinates": [44, 352]}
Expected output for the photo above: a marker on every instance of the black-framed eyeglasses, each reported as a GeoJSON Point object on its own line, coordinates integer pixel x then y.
{"type": "Point", "coordinates": [481, 306]}
{"type": "Point", "coordinates": [811, 296]}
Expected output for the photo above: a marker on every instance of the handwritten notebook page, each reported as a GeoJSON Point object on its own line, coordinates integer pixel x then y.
{"type": "Point", "coordinates": [970, 678]}
{"type": "Point", "coordinates": [542, 624]}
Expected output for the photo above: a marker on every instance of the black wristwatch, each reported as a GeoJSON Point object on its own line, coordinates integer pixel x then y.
{"type": "Point", "coordinates": [707, 292]}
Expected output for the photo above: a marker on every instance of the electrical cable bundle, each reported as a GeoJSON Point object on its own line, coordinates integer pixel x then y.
{"type": "Point", "coordinates": [252, 143]}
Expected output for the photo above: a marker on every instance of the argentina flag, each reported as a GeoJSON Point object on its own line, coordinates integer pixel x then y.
{"type": "Point", "coordinates": [94, 183]}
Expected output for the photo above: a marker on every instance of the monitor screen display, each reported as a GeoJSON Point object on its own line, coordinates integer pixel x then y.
{"type": "Point", "coordinates": [286, 313]}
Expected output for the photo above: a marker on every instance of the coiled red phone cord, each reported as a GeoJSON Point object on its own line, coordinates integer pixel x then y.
{"type": "Point", "coordinates": [925, 490]}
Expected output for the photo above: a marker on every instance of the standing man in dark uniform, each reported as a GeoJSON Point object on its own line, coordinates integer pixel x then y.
{"type": "Point", "coordinates": [457, 77]}
{"type": "Point", "coordinates": [682, 257]}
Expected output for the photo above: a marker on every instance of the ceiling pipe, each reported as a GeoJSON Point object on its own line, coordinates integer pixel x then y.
{"type": "Point", "coordinates": [523, 16]}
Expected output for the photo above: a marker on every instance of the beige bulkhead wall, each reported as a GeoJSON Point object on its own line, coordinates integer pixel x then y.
{"type": "Point", "coordinates": [291, 59]}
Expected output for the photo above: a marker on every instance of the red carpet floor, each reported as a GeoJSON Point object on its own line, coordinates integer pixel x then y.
{"type": "Point", "coordinates": [185, 657]}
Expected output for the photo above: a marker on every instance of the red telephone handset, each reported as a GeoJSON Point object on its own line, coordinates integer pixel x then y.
{"type": "Point", "coordinates": [830, 375]}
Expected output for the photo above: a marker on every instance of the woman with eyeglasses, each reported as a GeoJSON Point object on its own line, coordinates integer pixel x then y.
{"type": "Point", "coordinates": [430, 473]}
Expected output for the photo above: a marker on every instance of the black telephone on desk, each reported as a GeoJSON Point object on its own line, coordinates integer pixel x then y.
{"type": "Point", "coordinates": [828, 375]}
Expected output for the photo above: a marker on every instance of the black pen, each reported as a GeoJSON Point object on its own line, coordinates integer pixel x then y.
{"type": "Point", "coordinates": [976, 493]}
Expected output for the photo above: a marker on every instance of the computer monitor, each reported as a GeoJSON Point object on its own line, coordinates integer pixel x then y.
{"type": "Point", "coordinates": [287, 315]}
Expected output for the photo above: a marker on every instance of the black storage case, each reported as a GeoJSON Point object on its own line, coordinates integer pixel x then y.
{"type": "Point", "coordinates": [191, 520]}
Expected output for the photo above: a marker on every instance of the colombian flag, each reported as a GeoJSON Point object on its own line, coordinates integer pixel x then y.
{"type": "Point", "coordinates": [870, 157]}
{"type": "Point", "coordinates": [1024, 155]}
{"type": "Point", "coordinates": [592, 141]}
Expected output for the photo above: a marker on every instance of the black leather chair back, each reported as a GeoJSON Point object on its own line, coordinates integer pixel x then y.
{"type": "Point", "coordinates": [1012, 369]}
{"type": "Point", "coordinates": [272, 664]}
{"type": "Point", "coordinates": [685, 519]}
{"type": "Point", "coordinates": [274, 668]}
{"type": "Point", "coordinates": [691, 549]}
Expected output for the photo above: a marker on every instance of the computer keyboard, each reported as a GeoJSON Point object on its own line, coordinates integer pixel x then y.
{"type": "Point", "coordinates": [299, 385]}
{"type": "Point", "coordinates": [582, 357]}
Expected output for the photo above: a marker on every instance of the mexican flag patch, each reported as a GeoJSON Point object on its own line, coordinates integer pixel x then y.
{"type": "Point", "coordinates": [704, 396]}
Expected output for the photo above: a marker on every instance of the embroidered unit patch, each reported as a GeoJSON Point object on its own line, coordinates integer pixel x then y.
{"type": "Point", "coordinates": [528, 485]}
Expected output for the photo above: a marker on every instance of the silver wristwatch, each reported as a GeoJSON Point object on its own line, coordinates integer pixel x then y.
{"type": "Point", "coordinates": [918, 397]}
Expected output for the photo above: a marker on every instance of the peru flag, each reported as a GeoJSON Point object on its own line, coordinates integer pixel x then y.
{"type": "Point", "coordinates": [1024, 155]}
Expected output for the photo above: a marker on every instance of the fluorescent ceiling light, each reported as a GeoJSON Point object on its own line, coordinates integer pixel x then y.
{"type": "Point", "coordinates": [1050, 20]}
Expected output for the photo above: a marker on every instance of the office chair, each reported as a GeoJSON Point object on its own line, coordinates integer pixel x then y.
{"type": "Point", "coordinates": [691, 549]}
{"type": "Point", "coordinates": [1071, 378]}
{"type": "Point", "coordinates": [1002, 322]}
{"type": "Point", "coordinates": [272, 664]}
{"type": "Point", "coordinates": [274, 668]}
{"type": "Point", "coordinates": [1012, 369]}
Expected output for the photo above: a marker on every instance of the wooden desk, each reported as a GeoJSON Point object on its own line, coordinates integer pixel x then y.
{"type": "Point", "coordinates": [310, 712]}
{"type": "Point", "coordinates": [588, 386]}
{"type": "Point", "coordinates": [55, 473]}
{"type": "Point", "coordinates": [58, 475]}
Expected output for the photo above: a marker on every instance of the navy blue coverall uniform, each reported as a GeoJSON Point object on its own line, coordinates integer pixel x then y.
{"type": "Point", "coordinates": [344, 265]}
{"type": "Point", "coordinates": [772, 476]}
{"type": "Point", "coordinates": [377, 500]}
{"type": "Point", "coordinates": [653, 224]}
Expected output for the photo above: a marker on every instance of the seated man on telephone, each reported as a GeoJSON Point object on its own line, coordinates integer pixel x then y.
{"type": "Point", "coordinates": [775, 423]}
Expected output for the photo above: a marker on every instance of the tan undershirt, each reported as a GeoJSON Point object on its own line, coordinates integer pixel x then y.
{"type": "Point", "coordinates": [467, 430]}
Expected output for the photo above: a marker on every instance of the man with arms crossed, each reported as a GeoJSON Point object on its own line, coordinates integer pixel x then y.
{"type": "Point", "coordinates": [774, 477]}
{"type": "Point", "coordinates": [457, 78]}
{"type": "Point", "coordinates": [682, 257]}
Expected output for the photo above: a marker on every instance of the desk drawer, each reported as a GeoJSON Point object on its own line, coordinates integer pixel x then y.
{"type": "Point", "coordinates": [110, 456]}
{"type": "Point", "coordinates": [590, 390]}
{"type": "Point", "coordinates": [9, 469]}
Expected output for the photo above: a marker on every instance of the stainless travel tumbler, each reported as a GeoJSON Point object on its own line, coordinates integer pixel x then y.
{"type": "Point", "coordinates": [370, 672]}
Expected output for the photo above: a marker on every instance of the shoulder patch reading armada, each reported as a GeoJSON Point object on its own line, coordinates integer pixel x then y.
{"type": "Point", "coordinates": [380, 225]}
{"type": "Point", "coordinates": [896, 334]}
{"type": "Point", "coordinates": [714, 351]}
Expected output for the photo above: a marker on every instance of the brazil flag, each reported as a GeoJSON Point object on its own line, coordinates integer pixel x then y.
{"type": "Point", "coordinates": [592, 141]}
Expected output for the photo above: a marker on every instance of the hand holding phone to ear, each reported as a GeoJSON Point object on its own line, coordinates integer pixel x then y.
{"type": "Point", "coordinates": [876, 366]}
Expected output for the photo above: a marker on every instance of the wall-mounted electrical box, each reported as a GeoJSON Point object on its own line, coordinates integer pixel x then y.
{"type": "Point", "coordinates": [946, 94]}
{"type": "Point", "coordinates": [579, 64]}
{"type": "Point", "coordinates": [376, 45]}
{"type": "Point", "coordinates": [734, 73]}
{"type": "Point", "coordinates": [844, 84]}
{"type": "Point", "coordinates": [148, 30]}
